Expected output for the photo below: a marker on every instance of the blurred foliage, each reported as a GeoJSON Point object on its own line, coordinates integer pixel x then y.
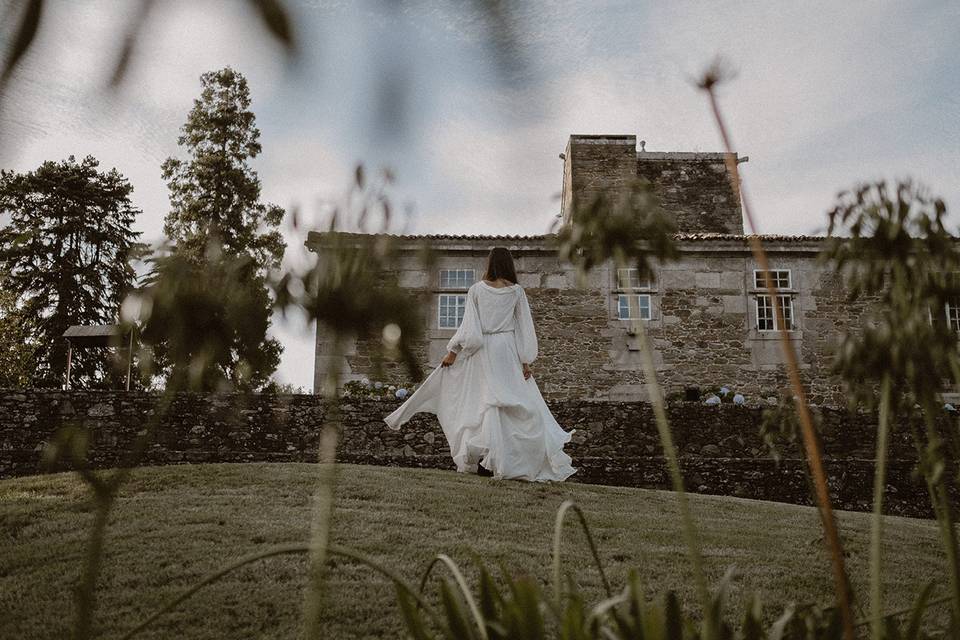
{"type": "Point", "coordinates": [892, 248]}
{"type": "Point", "coordinates": [352, 289]}
{"type": "Point", "coordinates": [204, 322]}
{"type": "Point", "coordinates": [67, 250]}
{"type": "Point", "coordinates": [21, 30]}
{"type": "Point", "coordinates": [627, 227]}
{"type": "Point", "coordinates": [896, 252]}
{"type": "Point", "coordinates": [22, 38]}
{"type": "Point", "coordinates": [718, 73]}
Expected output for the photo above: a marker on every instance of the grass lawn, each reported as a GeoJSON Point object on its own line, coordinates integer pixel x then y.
{"type": "Point", "coordinates": [174, 524]}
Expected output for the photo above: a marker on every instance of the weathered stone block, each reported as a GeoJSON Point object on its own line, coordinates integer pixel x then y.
{"type": "Point", "coordinates": [734, 304]}
{"type": "Point", "coordinates": [709, 280]}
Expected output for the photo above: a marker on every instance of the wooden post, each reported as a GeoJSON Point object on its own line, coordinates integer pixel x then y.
{"type": "Point", "coordinates": [69, 361]}
{"type": "Point", "coordinates": [129, 358]}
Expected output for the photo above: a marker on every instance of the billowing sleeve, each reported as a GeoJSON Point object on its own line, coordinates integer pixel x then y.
{"type": "Point", "coordinates": [469, 335]}
{"type": "Point", "coordinates": [524, 332]}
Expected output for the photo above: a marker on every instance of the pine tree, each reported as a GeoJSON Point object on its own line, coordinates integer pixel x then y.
{"type": "Point", "coordinates": [67, 251]}
{"type": "Point", "coordinates": [215, 194]}
{"type": "Point", "coordinates": [216, 221]}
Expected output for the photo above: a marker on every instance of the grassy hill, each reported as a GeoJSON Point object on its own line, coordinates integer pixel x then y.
{"type": "Point", "coordinates": [175, 524]}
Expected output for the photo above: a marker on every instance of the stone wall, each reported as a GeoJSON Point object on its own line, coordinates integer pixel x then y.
{"type": "Point", "coordinates": [614, 443]}
{"type": "Point", "coordinates": [695, 189]}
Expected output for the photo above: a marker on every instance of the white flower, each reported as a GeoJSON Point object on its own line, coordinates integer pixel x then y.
{"type": "Point", "coordinates": [365, 382]}
{"type": "Point", "coordinates": [739, 399]}
{"type": "Point", "coordinates": [392, 387]}
{"type": "Point", "coordinates": [724, 391]}
{"type": "Point", "coordinates": [949, 407]}
{"type": "Point", "coordinates": [401, 394]}
{"type": "Point", "coordinates": [378, 385]}
{"type": "Point", "coordinates": [712, 400]}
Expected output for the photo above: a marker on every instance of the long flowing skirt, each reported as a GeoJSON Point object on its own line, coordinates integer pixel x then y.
{"type": "Point", "coordinates": [491, 415]}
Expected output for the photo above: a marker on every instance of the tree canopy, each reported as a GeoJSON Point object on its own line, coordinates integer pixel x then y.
{"type": "Point", "coordinates": [67, 252]}
{"type": "Point", "coordinates": [215, 193]}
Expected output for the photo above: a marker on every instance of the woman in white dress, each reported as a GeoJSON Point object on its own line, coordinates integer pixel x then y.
{"type": "Point", "coordinates": [484, 394]}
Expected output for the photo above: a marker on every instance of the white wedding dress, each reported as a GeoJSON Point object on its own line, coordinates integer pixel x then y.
{"type": "Point", "coordinates": [489, 413]}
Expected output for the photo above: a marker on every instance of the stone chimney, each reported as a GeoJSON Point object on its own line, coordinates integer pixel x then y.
{"type": "Point", "coordinates": [596, 164]}
{"type": "Point", "coordinates": [694, 187]}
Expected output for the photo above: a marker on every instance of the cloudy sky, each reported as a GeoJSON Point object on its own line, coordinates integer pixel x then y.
{"type": "Point", "coordinates": [826, 94]}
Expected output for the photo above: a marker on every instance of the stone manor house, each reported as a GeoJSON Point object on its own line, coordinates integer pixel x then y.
{"type": "Point", "coordinates": [708, 316]}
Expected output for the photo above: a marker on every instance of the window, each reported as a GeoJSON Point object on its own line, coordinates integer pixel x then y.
{"type": "Point", "coordinates": [630, 279]}
{"type": "Point", "coordinates": [633, 306]}
{"type": "Point", "coordinates": [953, 315]}
{"type": "Point", "coordinates": [781, 279]}
{"type": "Point", "coordinates": [450, 308]}
{"type": "Point", "coordinates": [766, 320]}
{"type": "Point", "coordinates": [457, 278]}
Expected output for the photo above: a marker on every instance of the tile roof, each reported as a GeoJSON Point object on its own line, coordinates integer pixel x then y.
{"type": "Point", "coordinates": [92, 330]}
{"type": "Point", "coordinates": [767, 237]}
{"type": "Point", "coordinates": [687, 237]}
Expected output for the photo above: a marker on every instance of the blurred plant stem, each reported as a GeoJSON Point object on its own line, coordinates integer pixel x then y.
{"type": "Point", "coordinates": [105, 486]}
{"type": "Point", "coordinates": [323, 502]}
{"type": "Point", "coordinates": [808, 432]}
{"type": "Point", "coordinates": [655, 396]}
{"type": "Point", "coordinates": [876, 523]}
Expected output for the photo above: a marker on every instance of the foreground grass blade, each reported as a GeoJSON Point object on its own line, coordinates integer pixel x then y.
{"type": "Point", "coordinates": [691, 538]}
{"type": "Point", "coordinates": [320, 528]}
{"type": "Point", "coordinates": [332, 549]}
{"type": "Point", "coordinates": [876, 523]}
{"type": "Point", "coordinates": [105, 489]}
{"type": "Point", "coordinates": [465, 592]}
{"type": "Point", "coordinates": [557, 539]}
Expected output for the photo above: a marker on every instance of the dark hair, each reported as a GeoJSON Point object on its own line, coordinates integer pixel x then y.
{"type": "Point", "coordinates": [500, 265]}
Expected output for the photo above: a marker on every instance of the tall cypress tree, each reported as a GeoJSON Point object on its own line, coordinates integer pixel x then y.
{"type": "Point", "coordinates": [67, 251]}
{"type": "Point", "coordinates": [217, 221]}
{"type": "Point", "coordinates": [215, 195]}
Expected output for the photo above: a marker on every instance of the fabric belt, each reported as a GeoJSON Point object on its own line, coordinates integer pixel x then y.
{"type": "Point", "coordinates": [487, 333]}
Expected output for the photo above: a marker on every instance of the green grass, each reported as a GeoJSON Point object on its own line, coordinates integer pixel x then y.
{"type": "Point", "coordinates": [174, 524]}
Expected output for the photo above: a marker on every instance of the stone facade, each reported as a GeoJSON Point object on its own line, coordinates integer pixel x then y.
{"type": "Point", "coordinates": [720, 448]}
{"type": "Point", "coordinates": [703, 322]}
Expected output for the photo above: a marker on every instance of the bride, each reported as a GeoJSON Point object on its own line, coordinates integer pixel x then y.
{"type": "Point", "coordinates": [484, 394]}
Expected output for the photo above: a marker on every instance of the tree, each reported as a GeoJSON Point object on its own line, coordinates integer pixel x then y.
{"type": "Point", "coordinates": [216, 222]}
{"type": "Point", "coordinates": [16, 345]}
{"type": "Point", "coordinates": [67, 249]}
{"type": "Point", "coordinates": [215, 193]}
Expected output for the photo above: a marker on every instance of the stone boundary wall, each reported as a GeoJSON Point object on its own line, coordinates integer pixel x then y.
{"type": "Point", "coordinates": [614, 442]}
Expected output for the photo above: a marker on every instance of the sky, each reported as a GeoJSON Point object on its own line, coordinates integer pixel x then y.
{"type": "Point", "coordinates": [826, 95]}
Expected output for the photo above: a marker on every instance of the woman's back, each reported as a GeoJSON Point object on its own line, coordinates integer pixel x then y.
{"type": "Point", "coordinates": [496, 306]}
